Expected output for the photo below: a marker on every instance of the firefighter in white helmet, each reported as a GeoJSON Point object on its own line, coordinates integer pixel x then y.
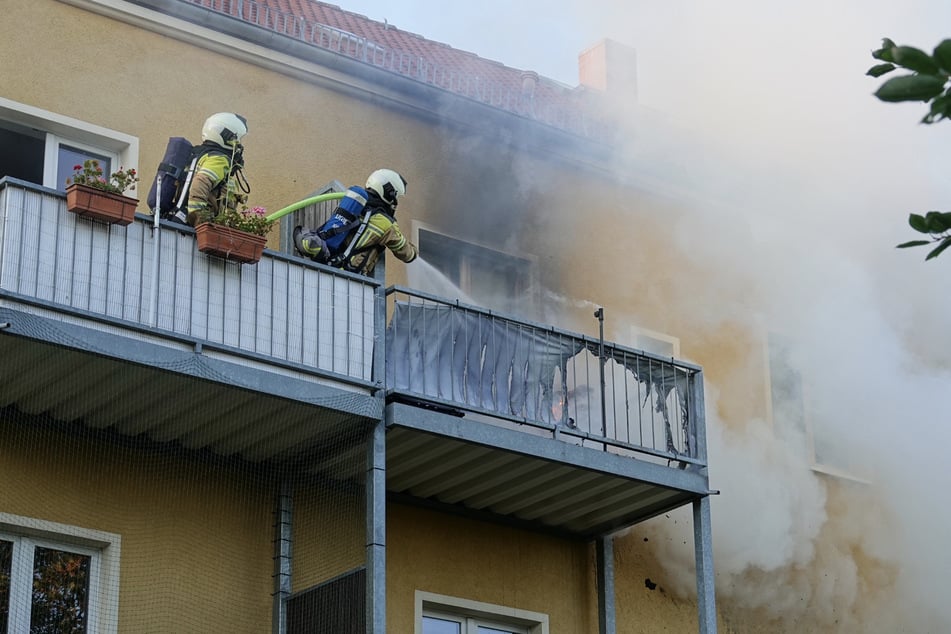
{"type": "Point", "coordinates": [361, 228]}
{"type": "Point", "coordinates": [217, 182]}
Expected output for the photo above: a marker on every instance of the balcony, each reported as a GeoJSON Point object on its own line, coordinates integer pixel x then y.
{"type": "Point", "coordinates": [485, 415]}
{"type": "Point", "coordinates": [140, 311]}
{"type": "Point", "coordinates": [497, 416]}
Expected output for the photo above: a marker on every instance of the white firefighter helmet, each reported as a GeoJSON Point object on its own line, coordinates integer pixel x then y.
{"type": "Point", "coordinates": [388, 184]}
{"type": "Point", "coordinates": [225, 129]}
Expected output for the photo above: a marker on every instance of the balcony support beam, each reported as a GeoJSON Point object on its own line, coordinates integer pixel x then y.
{"type": "Point", "coordinates": [376, 531]}
{"type": "Point", "coordinates": [283, 555]}
{"type": "Point", "coordinates": [703, 546]}
{"type": "Point", "coordinates": [606, 616]}
{"type": "Point", "coordinates": [411, 417]}
{"type": "Point", "coordinates": [127, 343]}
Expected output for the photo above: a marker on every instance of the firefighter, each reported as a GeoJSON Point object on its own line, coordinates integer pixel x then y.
{"type": "Point", "coordinates": [362, 227]}
{"type": "Point", "coordinates": [218, 181]}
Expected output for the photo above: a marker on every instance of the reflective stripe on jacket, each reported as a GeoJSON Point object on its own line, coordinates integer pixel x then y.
{"type": "Point", "coordinates": [208, 188]}
{"type": "Point", "coordinates": [381, 231]}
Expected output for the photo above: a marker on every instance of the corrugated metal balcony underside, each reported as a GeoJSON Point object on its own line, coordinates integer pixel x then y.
{"type": "Point", "coordinates": [459, 464]}
{"type": "Point", "coordinates": [188, 406]}
{"type": "Point", "coordinates": [479, 469]}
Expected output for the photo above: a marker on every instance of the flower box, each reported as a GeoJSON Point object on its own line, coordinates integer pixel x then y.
{"type": "Point", "coordinates": [100, 205]}
{"type": "Point", "coordinates": [228, 243]}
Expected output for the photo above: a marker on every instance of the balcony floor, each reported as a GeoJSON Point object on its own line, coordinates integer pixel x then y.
{"type": "Point", "coordinates": [449, 462]}
{"type": "Point", "coordinates": [168, 393]}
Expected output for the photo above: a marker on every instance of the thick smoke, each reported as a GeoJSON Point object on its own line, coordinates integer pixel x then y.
{"type": "Point", "coordinates": [789, 139]}
{"type": "Point", "coordinates": [801, 182]}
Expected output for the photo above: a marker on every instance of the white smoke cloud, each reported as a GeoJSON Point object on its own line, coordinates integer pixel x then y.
{"type": "Point", "coordinates": [778, 134]}
{"type": "Point", "coordinates": [824, 176]}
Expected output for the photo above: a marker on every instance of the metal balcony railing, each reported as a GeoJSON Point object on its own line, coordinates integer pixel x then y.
{"type": "Point", "coordinates": [153, 281]}
{"type": "Point", "coordinates": [287, 315]}
{"type": "Point", "coordinates": [471, 360]}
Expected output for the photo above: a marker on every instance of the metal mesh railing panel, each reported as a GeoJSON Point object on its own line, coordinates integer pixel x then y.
{"type": "Point", "coordinates": [281, 309]}
{"type": "Point", "coordinates": [475, 360]}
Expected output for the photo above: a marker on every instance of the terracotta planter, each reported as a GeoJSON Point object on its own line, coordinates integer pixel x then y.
{"type": "Point", "coordinates": [100, 205]}
{"type": "Point", "coordinates": [228, 243]}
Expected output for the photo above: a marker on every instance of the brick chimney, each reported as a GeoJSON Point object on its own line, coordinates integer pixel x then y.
{"type": "Point", "coordinates": [610, 67]}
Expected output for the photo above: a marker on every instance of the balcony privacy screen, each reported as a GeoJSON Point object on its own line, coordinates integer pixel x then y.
{"type": "Point", "coordinates": [490, 364]}
{"type": "Point", "coordinates": [474, 359]}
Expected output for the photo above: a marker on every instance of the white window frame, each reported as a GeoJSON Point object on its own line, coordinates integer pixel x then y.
{"type": "Point", "coordinates": [474, 613]}
{"type": "Point", "coordinates": [637, 333]}
{"type": "Point", "coordinates": [848, 471]}
{"type": "Point", "coordinates": [102, 547]}
{"type": "Point", "coordinates": [122, 149]}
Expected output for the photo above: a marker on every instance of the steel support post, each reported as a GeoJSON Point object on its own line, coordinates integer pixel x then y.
{"type": "Point", "coordinates": [703, 546]}
{"type": "Point", "coordinates": [606, 616]}
{"type": "Point", "coordinates": [283, 555]}
{"type": "Point", "coordinates": [376, 531]}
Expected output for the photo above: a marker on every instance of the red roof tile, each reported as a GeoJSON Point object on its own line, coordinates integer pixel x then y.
{"type": "Point", "coordinates": [412, 55]}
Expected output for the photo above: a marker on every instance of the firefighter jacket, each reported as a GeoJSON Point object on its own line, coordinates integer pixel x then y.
{"type": "Point", "coordinates": [380, 232]}
{"type": "Point", "coordinates": [212, 189]}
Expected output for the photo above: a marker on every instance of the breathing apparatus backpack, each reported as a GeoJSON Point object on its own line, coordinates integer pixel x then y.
{"type": "Point", "coordinates": [175, 172]}
{"type": "Point", "coordinates": [342, 231]}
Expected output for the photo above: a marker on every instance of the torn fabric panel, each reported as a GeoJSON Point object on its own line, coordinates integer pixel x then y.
{"type": "Point", "coordinates": [480, 360]}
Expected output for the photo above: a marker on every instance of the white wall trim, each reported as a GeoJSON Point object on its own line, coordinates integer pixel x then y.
{"type": "Point", "coordinates": [109, 546]}
{"type": "Point", "coordinates": [537, 622]}
{"type": "Point", "coordinates": [75, 132]}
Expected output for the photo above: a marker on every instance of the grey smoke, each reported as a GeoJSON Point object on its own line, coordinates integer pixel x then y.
{"type": "Point", "coordinates": [796, 185]}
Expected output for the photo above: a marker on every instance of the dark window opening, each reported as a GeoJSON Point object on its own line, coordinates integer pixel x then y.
{"type": "Point", "coordinates": [497, 279]}
{"type": "Point", "coordinates": [21, 152]}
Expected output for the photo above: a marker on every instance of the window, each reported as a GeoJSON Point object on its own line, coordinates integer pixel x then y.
{"type": "Point", "coordinates": [56, 578]}
{"type": "Point", "coordinates": [794, 416]}
{"type": "Point", "coordinates": [492, 278]}
{"type": "Point", "coordinates": [22, 152]}
{"type": "Point", "coordinates": [437, 614]}
{"type": "Point", "coordinates": [69, 157]}
{"type": "Point", "coordinates": [655, 342]}
{"type": "Point", "coordinates": [448, 624]}
{"type": "Point", "coordinates": [786, 393]}
{"type": "Point", "coordinates": [42, 147]}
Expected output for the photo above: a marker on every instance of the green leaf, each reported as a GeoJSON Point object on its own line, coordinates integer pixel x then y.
{"type": "Point", "coordinates": [915, 59]}
{"type": "Point", "coordinates": [936, 252]}
{"type": "Point", "coordinates": [942, 55]}
{"type": "Point", "coordinates": [935, 221]}
{"type": "Point", "coordinates": [913, 243]}
{"type": "Point", "coordinates": [885, 53]}
{"type": "Point", "coordinates": [940, 109]}
{"type": "Point", "coordinates": [911, 88]}
{"type": "Point", "coordinates": [880, 69]}
{"type": "Point", "coordinates": [918, 223]}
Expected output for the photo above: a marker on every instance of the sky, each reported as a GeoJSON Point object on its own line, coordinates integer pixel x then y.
{"type": "Point", "coordinates": [768, 114]}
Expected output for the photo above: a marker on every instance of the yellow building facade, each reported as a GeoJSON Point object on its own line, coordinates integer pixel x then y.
{"type": "Point", "coordinates": [572, 227]}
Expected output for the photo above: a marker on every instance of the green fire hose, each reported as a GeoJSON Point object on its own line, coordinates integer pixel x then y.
{"type": "Point", "coordinates": [280, 213]}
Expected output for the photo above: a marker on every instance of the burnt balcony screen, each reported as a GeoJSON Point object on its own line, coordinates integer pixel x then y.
{"type": "Point", "coordinates": [476, 359]}
{"type": "Point", "coordinates": [486, 363]}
